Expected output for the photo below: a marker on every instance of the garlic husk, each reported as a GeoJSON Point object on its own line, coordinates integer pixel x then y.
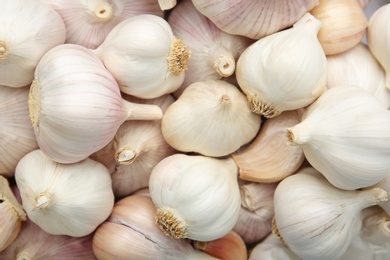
{"type": "Point", "coordinates": [145, 65]}
{"type": "Point", "coordinates": [284, 71]}
{"type": "Point", "coordinates": [344, 24]}
{"type": "Point", "coordinates": [131, 233]}
{"type": "Point", "coordinates": [218, 105]}
{"type": "Point", "coordinates": [197, 197]}
{"type": "Point", "coordinates": [28, 30]}
{"type": "Point", "coordinates": [167, 4]}
{"type": "Point", "coordinates": [76, 106]}
{"type": "Point", "coordinates": [317, 220]}
{"type": "Point", "coordinates": [64, 199]}
{"type": "Point", "coordinates": [213, 52]}
{"type": "Point", "coordinates": [267, 158]}
{"type": "Point", "coordinates": [345, 135]}
{"type": "Point", "coordinates": [378, 33]}
{"type": "Point", "coordinates": [384, 184]}
{"type": "Point", "coordinates": [254, 19]}
{"type": "Point", "coordinates": [88, 22]}
{"type": "Point", "coordinates": [358, 67]}
{"type": "Point", "coordinates": [17, 135]}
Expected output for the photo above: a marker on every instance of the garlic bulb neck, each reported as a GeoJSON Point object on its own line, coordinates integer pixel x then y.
{"type": "Point", "coordinates": [171, 222]}
{"type": "Point", "coordinates": [373, 196]}
{"type": "Point", "coordinates": [178, 57]}
{"type": "Point", "coordinates": [3, 50]}
{"type": "Point", "coordinates": [104, 11]}
{"type": "Point", "coordinates": [261, 106]}
{"type": "Point", "coordinates": [23, 256]}
{"type": "Point", "coordinates": [126, 155]}
{"type": "Point", "coordinates": [34, 103]}
{"type": "Point", "coordinates": [43, 200]}
{"type": "Point", "coordinates": [225, 65]}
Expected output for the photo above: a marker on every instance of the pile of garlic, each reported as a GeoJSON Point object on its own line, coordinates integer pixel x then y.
{"type": "Point", "coordinates": [193, 129]}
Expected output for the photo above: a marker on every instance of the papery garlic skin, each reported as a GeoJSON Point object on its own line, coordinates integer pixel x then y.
{"type": "Point", "coordinates": [197, 197]}
{"type": "Point", "coordinates": [284, 71]}
{"type": "Point", "coordinates": [25, 38]}
{"type": "Point", "coordinates": [145, 65]}
{"type": "Point", "coordinates": [317, 220]}
{"type": "Point", "coordinates": [64, 199]}
{"type": "Point", "coordinates": [218, 105]}
{"type": "Point", "coordinates": [345, 135]}
{"type": "Point", "coordinates": [384, 184]}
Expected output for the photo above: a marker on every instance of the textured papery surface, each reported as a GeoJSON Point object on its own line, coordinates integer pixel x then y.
{"type": "Point", "coordinates": [272, 248]}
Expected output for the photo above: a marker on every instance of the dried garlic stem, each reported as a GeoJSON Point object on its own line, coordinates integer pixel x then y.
{"type": "Point", "coordinates": [23, 256]}
{"type": "Point", "coordinates": [34, 103]}
{"type": "Point", "coordinates": [261, 106]}
{"type": "Point", "coordinates": [43, 200]}
{"type": "Point", "coordinates": [104, 11]}
{"type": "Point", "coordinates": [125, 155]}
{"type": "Point", "coordinates": [178, 57]}
{"type": "Point", "coordinates": [3, 49]}
{"type": "Point", "coordinates": [171, 222]}
{"type": "Point", "coordinates": [225, 65]}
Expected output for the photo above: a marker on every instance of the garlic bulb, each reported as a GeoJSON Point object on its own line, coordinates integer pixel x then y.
{"type": "Point", "coordinates": [268, 158]}
{"type": "Point", "coordinates": [88, 22]}
{"type": "Point", "coordinates": [131, 233]}
{"type": "Point", "coordinates": [213, 52]}
{"type": "Point", "coordinates": [146, 65]}
{"type": "Point", "coordinates": [11, 215]}
{"type": "Point", "coordinates": [378, 33]}
{"type": "Point", "coordinates": [218, 105]}
{"type": "Point", "coordinates": [344, 24]}
{"type": "Point", "coordinates": [345, 135]}
{"type": "Point", "coordinates": [17, 136]}
{"type": "Point", "coordinates": [76, 106]}
{"type": "Point", "coordinates": [28, 30]}
{"type": "Point", "coordinates": [64, 199]}
{"type": "Point", "coordinates": [317, 220]}
{"type": "Point", "coordinates": [197, 197]}
{"type": "Point", "coordinates": [284, 71]}
{"type": "Point", "coordinates": [358, 67]}
{"type": "Point", "coordinates": [254, 19]}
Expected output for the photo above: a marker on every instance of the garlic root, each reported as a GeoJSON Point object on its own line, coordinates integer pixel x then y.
{"type": "Point", "coordinates": [171, 222]}
{"type": "Point", "coordinates": [178, 57]}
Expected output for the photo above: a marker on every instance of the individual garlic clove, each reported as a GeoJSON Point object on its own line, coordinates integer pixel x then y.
{"type": "Point", "coordinates": [254, 19]}
{"type": "Point", "coordinates": [344, 24]}
{"type": "Point", "coordinates": [218, 105]}
{"type": "Point", "coordinates": [257, 195]}
{"type": "Point", "coordinates": [25, 38]}
{"type": "Point", "coordinates": [167, 4]}
{"type": "Point", "coordinates": [317, 220]}
{"type": "Point", "coordinates": [268, 158]}
{"type": "Point", "coordinates": [284, 71]}
{"type": "Point", "coordinates": [213, 52]}
{"type": "Point", "coordinates": [197, 197]}
{"type": "Point", "coordinates": [145, 65]}
{"type": "Point", "coordinates": [64, 199]}
{"type": "Point", "coordinates": [345, 135]}
{"type": "Point", "coordinates": [17, 136]}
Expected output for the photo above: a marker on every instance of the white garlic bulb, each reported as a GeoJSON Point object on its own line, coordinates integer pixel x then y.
{"type": "Point", "coordinates": [197, 197]}
{"type": "Point", "coordinates": [345, 135]}
{"type": "Point", "coordinates": [284, 71]}
{"type": "Point", "coordinates": [76, 106]}
{"type": "Point", "coordinates": [317, 220]}
{"type": "Point", "coordinates": [64, 199]}
{"type": "Point", "coordinates": [218, 105]}
{"type": "Point", "coordinates": [28, 30]}
{"type": "Point", "coordinates": [88, 22]}
{"type": "Point", "coordinates": [146, 65]}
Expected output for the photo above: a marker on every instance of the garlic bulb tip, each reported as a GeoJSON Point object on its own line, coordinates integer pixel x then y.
{"type": "Point", "coordinates": [43, 200]}
{"type": "Point", "coordinates": [225, 66]}
{"type": "Point", "coordinates": [179, 57]}
{"type": "Point", "coordinates": [104, 11]}
{"type": "Point", "coordinates": [171, 222]}
{"type": "Point", "coordinates": [126, 155]}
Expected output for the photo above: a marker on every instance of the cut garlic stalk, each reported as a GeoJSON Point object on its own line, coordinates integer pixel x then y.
{"type": "Point", "coordinates": [384, 184]}
{"type": "Point", "coordinates": [167, 4]}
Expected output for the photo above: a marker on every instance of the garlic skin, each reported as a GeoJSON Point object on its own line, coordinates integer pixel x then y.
{"type": "Point", "coordinates": [213, 52]}
{"type": "Point", "coordinates": [268, 158]}
{"type": "Point", "coordinates": [244, 17]}
{"type": "Point", "coordinates": [64, 199]}
{"type": "Point", "coordinates": [384, 184]}
{"type": "Point", "coordinates": [218, 105]}
{"type": "Point", "coordinates": [197, 197]}
{"type": "Point", "coordinates": [145, 65]}
{"type": "Point", "coordinates": [88, 22]}
{"type": "Point", "coordinates": [317, 220]}
{"type": "Point", "coordinates": [39, 28]}
{"type": "Point", "coordinates": [17, 136]}
{"type": "Point", "coordinates": [345, 135]}
{"type": "Point", "coordinates": [167, 4]}
{"type": "Point", "coordinates": [75, 104]}
{"type": "Point", "coordinates": [284, 71]}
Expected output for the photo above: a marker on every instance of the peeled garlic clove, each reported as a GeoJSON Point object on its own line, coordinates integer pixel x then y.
{"type": "Point", "coordinates": [317, 220]}
{"type": "Point", "coordinates": [76, 106]}
{"type": "Point", "coordinates": [345, 135]}
{"type": "Point", "coordinates": [28, 30]}
{"type": "Point", "coordinates": [284, 71]}
{"type": "Point", "coordinates": [88, 22]}
{"type": "Point", "coordinates": [197, 197]}
{"type": "Point", "coordinates": [218, 105]}
{"type": "Point", "coordinates": [254, 19]}
{"type": "Point", "coordinates": [145, 65]}
{"type": "Point", "coordinates": [64, 199]}
{"type": "Point", "coordinates": [213, 52]}
{"type": "Point", "coordinates": [343, 24]}
{"type": "Point", "coordinates": [268, 158]}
